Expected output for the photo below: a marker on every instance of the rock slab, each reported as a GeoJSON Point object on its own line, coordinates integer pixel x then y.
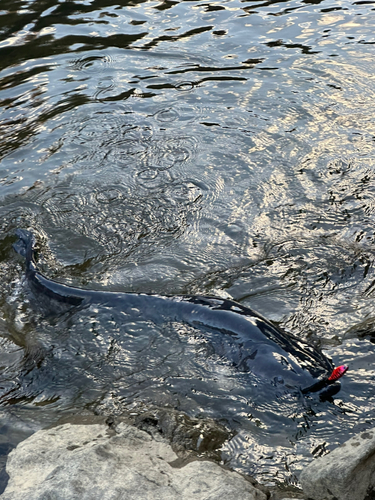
{"type": "Point", "coordinates": [347, 473]}
{"type": "Point", "coordinates": [86, 462]}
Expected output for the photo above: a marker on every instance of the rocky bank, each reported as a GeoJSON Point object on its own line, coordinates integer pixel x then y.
{"type": "Point", "coordinates": [108, 461]}
{"type": "Point", "coordinates": [89, 462]}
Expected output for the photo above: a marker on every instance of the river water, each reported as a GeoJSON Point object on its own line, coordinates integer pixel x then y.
{"type": "Point", "coordinates": [222, 148]}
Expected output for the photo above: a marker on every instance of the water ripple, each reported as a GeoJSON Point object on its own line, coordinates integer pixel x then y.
{"type": "Point", "coordinates": [92, 63]}
{"type": "Point", "coordinates": [159, 147]}
{"type": "Point", "coordinates": [167, 115]}
{"type": "Point", "coordinates": [109, 195]}
{"type": "Point", "coordinates": [184, 86]}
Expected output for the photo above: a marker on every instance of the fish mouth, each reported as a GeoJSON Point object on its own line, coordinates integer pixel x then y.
{"type": "Point", "coordinates": [329, 384]}
{"type": "Point", "coordinates": [330, 391]}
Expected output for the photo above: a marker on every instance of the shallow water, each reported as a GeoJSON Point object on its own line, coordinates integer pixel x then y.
{"type": "Point", "coordinates": [223, 148]}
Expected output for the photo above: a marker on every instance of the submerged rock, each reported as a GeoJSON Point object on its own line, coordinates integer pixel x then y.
{"type": "Point", "coordinates": [89, 462]}
{"type": "Point", "coordinates": [185, 434]}
{"type": "Point", "coordinates": [347, 473]}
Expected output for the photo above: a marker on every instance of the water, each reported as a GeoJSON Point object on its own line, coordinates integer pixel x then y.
{"type": "Point", "coordinates": [223, 148]}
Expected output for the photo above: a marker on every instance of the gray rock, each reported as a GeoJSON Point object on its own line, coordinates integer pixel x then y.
{"type": "Point", "coordinates": [88, 462]}
{"type": "Point", "coordinates": [347, 473]}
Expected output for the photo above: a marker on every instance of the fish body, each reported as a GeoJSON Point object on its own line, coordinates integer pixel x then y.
{"type": "Point", "coordinates": [253, 344]}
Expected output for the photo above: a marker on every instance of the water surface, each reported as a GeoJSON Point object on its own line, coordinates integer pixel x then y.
{"type": "Point", "coordinates": [223, 148]}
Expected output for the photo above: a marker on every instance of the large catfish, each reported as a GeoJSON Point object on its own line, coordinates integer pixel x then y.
{"type": "Point", "coordinates": [256, 345]}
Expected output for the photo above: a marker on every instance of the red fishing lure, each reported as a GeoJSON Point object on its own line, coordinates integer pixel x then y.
{"type": "Point", "coordinates": [338, 373]}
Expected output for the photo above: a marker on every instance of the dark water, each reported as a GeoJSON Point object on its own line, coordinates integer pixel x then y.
{"type": "Point", "coordinates": [224, 148]}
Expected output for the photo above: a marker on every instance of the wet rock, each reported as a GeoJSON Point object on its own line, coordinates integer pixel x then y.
{"type": "Point", "coordinates": [185, 433]}
{"type": "Point", "coordinates": [347, 473]}
{"type": "Point", "coordinates": [89, 462]}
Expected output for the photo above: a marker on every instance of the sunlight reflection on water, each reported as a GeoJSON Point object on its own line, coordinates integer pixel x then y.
{"type": "Point", "coordinates": [180, 147]}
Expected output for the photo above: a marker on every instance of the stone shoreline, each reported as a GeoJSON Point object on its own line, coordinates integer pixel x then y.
{"type": "Point", "coordinates": [91, 459]}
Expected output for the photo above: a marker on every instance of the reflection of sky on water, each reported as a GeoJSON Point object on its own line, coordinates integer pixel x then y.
{"type": "Point", "coordinates": [188, 147]}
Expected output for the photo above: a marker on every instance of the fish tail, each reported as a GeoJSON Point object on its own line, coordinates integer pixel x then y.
{"type": "Point", "coordinates": [25, 247]}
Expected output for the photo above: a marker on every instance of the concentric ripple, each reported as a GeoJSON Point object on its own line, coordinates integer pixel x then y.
{"type": "Point", "coordinates": [92, 63]}
{"type": "Point", "coordinates": [188, 147]}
